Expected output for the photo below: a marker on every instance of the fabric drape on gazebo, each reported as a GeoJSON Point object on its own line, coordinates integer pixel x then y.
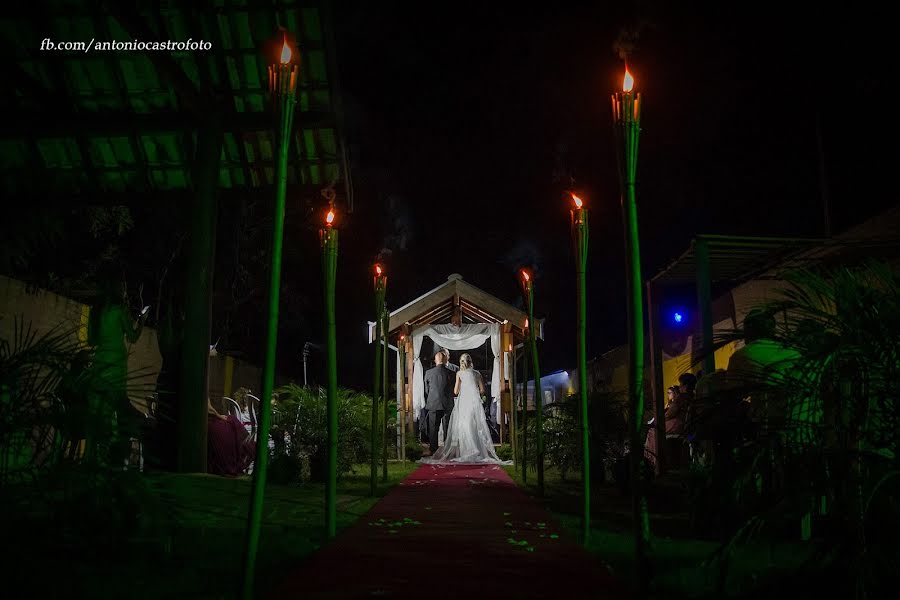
{"type": "Point", "coordinates": [398, 380]}
{"type": "Point", "coordinates": [452, 337]}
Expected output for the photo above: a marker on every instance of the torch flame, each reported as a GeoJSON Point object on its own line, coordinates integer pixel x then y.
{"type": "Point", "coordinates": [378, 269]}
{"type": "Point", "coordinates": [628, 82]}
{"type": "Point", "coordinates": [526, 275]}
{"type": "Point", "coordinates": [578, 202]}
{"type": "Point", "coordinates": [285, 52]}
{"type": "Point", "coordinates": [330, 218]}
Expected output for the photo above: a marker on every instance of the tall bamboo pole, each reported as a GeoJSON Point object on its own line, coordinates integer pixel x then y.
{"type": "Point", "coordinates": [627, 117]}
{"type": "Point", "coordinates": [580, 239]}
{"type": "Point", "coordinates": [282, 87]}
{"type": "Point", "coordinates": [329, 237]}
{"type": "Point", "coordinates": [380, 291]}
{"type": "Point", "coordinates": [525, 351]}
{"type": "Point", "coordinates": [401, 394]}
{"type": "Point", "coordinates": [384, 394]}
{"type": "Point", "coordinates": [514, 403]}
{"type": "Point", "coordinates": [535, 365]}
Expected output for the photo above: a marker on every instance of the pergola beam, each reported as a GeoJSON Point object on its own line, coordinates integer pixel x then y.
{"type": "Point", "coordinates": [157, 197]}
{"type": "Point", "coordinates": [30, 124]}
{"type": "Point", "coordinates": [170, 70]}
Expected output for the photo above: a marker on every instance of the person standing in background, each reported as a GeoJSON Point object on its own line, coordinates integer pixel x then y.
{"type": "Point", "coordinates": [110, 412]}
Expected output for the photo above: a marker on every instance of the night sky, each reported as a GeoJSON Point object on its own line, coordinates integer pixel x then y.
{"type": "Point", "coordinates": [466, 125]}
{"type": "Point", "coordinates": [467, 121]}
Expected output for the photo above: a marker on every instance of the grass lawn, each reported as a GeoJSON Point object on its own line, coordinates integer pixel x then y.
{"type": "Point", "coordinates": [200, 523]}
{"type": "Point", "coordinates": [680, 562]}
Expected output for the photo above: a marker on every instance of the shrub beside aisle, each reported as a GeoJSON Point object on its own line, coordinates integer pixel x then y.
{"type": "Point", "coordinates": [299, 429]}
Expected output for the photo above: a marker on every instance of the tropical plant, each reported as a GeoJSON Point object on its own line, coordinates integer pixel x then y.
{"type": "Point", "coordinates": [413, 448]}
{"type": "Point", "coordinates": [48, 483]}
{"type": "Point", "coordinates": [33, 371]}
{"type": "Point", "coordinates": [504, 452]}
{"type": "Point", "coordinates": [810, 426]}
{"type": "Point", "coordinates": [562, 441]}
{"type": "Point", "coordinates": [300, 428]}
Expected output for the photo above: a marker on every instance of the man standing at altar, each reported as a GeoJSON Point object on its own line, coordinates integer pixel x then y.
{"type": "Point", "coordinates": [439, 401]}
{"type": "Point", "coordinates": [450, 366]}
{"type": "Point", "coordinates": [423, 419]}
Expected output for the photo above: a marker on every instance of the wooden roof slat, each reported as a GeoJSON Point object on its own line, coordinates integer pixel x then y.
{"type": "Point", "coordinates": [141, 94]}
{"type": "Point", "coordinates": [739, 258]}
{"type": "Point", "coordinates": [31, 123]}
{"type": "Point", "coordinates": [440, 302]}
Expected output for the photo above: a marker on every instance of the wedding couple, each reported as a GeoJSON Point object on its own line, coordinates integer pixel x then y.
{"type": "Point", "coordinates": [467, 438]}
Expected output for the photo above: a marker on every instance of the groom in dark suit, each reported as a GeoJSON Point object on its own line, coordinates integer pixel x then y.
{"type": "Point", "coordinates": [439, 384]}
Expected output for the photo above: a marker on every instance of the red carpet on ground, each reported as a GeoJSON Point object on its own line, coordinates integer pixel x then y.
{"type": "Point", "coordinates": [465, 532]}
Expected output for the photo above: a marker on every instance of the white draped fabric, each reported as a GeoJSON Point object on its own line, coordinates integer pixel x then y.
{"type": "Point", "coordinates": [398, 380]}
{"type": "Point", "coordinates": [495, 376]}
{"type": "Point", "coordinates": [464, 337]}
{"type": "Point", "coordinates": [418, 378]}
{"type": "Point", "coordinates": [399, 395]}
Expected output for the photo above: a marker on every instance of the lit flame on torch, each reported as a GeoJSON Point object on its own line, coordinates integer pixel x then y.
{"type": "Point", "coordinates": [628, 82]}
{"type": "Point", "coordinates": [526, 275]}
{"type": "Point", "coordinates": [378, 269]}
{"type": "Point", "coordinates": [578, 202]}
{"type": "Point", "coordinates": [330, 218]}
{"type": "Point", "coordinates": [285, 52]}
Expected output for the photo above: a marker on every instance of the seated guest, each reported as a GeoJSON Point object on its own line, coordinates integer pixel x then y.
{"type": "Point", "coordinates": [676, 417]}
{"type": "Point", "coordinates": [761, 369]}
{"type": "Point", "coordinates": [676, 409]}
{"type": "Point", "coordinates": [710, 405]}
{"type": "Point", "coordinates": [229, 449]}
{"type": "Point", "coordinates": [674, 424]}
{"type": "Point", "coordinates": [241, 396]}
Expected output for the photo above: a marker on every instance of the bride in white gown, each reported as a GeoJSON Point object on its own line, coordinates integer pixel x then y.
{"type": "Point", "coordinates": [468, 438]}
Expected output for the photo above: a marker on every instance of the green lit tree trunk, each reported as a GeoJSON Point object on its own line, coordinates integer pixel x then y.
{"type": "Point", "coordinates": [193, 386]}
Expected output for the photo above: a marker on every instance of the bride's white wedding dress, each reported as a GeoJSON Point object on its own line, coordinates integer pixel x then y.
{"type": "Point", "coordinates": [468, 437]}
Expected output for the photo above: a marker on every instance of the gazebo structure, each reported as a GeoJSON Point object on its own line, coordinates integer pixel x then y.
{"type": "Point", "coordinates": [458, 316]}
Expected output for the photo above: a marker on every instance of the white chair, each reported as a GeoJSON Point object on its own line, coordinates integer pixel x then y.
{"type": "Point", "coordinates": [253, 409]}
{"type": "Point", "coordinates": [254, 416]}
{"type": "Point", "coordinates": [232, 407]}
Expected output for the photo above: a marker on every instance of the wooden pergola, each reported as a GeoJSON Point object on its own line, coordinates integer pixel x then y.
{"type": "Point", "coordinates": [167, 129]}
{"type": "Point", "coordinates": [456, 302]}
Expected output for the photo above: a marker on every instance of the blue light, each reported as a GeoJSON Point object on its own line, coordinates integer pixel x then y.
{"type": "Point", "coordinates": [678, 317]}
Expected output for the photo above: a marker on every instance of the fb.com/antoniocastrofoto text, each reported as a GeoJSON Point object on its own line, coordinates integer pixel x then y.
{"type": "Point", "coordinates": [132, 45]}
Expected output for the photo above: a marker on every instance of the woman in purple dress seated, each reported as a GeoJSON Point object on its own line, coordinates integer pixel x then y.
{"type": "Point", "coordinates": [230, 449]}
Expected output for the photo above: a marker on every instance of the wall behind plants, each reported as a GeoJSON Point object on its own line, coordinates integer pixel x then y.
{"type": "Point", "coordinates": [44, 310]}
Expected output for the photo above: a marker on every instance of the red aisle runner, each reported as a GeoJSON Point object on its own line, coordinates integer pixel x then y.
{"type": "Point", "coordinates": [463, 532]}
